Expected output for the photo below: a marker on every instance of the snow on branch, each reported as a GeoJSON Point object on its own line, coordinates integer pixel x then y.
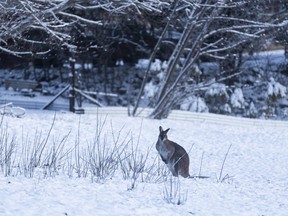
{"type": "Point", "coordinates": [58, 17]}
{"type": "Point", "coordinates": [93, 7]}
{"type": "Point", "coordinates": [121, 6]}
{"type": "Point", "coordinates": [17, 53]}
{"type": "Point", "coordinates": [243, 33]}
{"type": "Point", "coordinates": [81, 18]}
{"type": "Point", "coordinates": [275, 89]}
{"type": "Point", "coordinates": [23, 24]}
{"type": "Point", "coordinates": [256, 26]}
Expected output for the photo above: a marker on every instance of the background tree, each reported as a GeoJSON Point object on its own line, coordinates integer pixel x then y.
{"type": "Point", "coordinates": [31, 27]}
{"type": "Point", "coordinates": [213, 30]}
{"type": "Point", "coordinates": [103, 34]}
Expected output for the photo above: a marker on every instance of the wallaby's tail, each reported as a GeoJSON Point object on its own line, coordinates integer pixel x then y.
{"type": "Point", "coordinates": [199, 177]}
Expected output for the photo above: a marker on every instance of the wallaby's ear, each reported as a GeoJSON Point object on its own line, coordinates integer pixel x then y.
{"type": "Point", "coordinates": [166, 131]}
{"type": "Point", "coordinates": [160, 129]}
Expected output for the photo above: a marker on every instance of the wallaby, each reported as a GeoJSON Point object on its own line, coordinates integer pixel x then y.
{"type": "Point", "coordinates": [173, 155]}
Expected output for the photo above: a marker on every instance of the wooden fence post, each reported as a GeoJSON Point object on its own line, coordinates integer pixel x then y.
{"type": "Point", "coordinates": [72, 85]}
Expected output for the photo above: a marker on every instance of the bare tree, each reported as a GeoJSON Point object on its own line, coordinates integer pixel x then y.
{"type": "Point", "coordinates": [152, 58]}
{"type": "Point", "coordinates": [56, 18]}
{"type": "Point", "coordinates": [211, 30]}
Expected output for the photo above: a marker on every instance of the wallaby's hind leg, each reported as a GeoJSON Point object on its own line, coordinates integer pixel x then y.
{"type": "Point", "coordinates": [180, 169]}
{"type": "Point", "coordinates": [173, 168]}
{"type": "Point", "coordinates": [184, 171]}
{"type": "Point", "coordinates": [175, 171]}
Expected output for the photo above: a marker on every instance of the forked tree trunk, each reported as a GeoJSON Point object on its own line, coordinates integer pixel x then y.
{"type": "Point", "coordinates": [168, 91]}
{"type": "Point", "coordinates": [152, 57]}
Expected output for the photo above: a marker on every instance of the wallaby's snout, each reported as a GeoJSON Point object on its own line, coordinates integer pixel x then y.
{"type": "Point", "coordinates": [172, 154]}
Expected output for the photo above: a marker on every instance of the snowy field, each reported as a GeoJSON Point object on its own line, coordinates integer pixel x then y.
{"type": "Point", "coordinates": [251, 180]}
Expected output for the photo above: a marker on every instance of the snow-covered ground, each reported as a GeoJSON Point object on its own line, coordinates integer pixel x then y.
{"type": "Point", "coordinates": [254, 179]}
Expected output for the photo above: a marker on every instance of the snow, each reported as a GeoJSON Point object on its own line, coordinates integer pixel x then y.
{"type": "Point", "coordinates": [217, 89]}
{"type": "Point", "coordinates": [119, 63]}
{"type": "Point", "coordinates": [252, 111]}
{"type": "Point", "coordinates": [255, 171]}
{"type": "Point", "coordinates": [194, 104]}
{"type": "Point", "coordinates": [237, 99]}
{"type": "Point", "coordinates": [165, 65]}
{"type": "Point", "coordinates": [226, 108]}
{"type": "Point", "coordinates": [264, 60]}
{"type": "Point", "coordinates": [156, 65]}
{"type": "Point", "coordinates": [276, 89]}
{"type": "Point", "coordinates": [150, 90]}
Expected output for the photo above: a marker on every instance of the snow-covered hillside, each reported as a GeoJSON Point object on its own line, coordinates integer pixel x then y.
{"type": "Point", "coordinates": [253, 179]}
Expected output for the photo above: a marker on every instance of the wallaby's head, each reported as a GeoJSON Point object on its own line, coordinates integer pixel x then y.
{"type": "Point", "coordinates": [163, 133]}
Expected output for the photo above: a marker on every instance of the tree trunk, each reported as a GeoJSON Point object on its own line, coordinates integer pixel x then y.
{"type": "Point", "coordinates": [152, 57]}
{"type": "Point", "coordinates": [168, 91]}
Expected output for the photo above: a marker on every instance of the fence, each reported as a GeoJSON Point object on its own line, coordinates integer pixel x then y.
{"type": "Point", "coordinates": [192, 117]}
{"type": "Point", "coordinates": [174, 115]}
